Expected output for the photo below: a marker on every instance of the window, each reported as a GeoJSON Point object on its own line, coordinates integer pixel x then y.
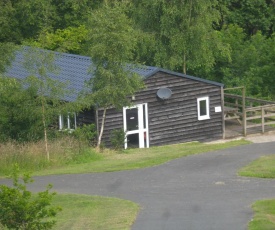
{"type": "Point", "coordinates": [203, 108]}
{"type": "Point", "coordinates": [67, 122]}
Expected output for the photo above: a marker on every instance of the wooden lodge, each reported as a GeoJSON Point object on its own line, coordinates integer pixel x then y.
{"type": "Point", "coordinates": [191, 113]}
{"type": "Point", "coordinates": [173, 108]}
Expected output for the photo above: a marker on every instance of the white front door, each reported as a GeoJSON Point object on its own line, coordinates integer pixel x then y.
{"type": "Point", "coordinates": [135, 120]}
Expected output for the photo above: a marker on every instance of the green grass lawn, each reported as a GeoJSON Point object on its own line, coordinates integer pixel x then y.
{"type": "Point", "coordinates": [264, 217]}
{"type": "Point", "coordinates": [264, 167]}
{"type": "Point", "coordinates": [94, 212]}
{"type": "Point", "coordinates": [108, 160]}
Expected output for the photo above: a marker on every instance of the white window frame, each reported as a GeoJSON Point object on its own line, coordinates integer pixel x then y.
{"type": "Point", "coordinates": [207, 116]}
{"type": "Point", "coordinates": [67, 123]}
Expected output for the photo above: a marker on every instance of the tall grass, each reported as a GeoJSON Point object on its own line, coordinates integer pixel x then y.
{"type": "Point", "coordinates": [31, 156]}
{"type": "Point", "coordinates": [68, 155]}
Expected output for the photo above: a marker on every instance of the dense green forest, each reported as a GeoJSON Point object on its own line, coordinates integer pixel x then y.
{"type": "Point", "coordinates": [229, 41]}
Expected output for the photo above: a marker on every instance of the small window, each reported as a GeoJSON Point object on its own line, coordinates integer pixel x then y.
{"type": "Point", "coordinates": [67, 122]}
{"type": "Point", "coordinates": [203, 108]}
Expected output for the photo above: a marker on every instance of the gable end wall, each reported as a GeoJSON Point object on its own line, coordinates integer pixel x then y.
{"type": "Point", "coordinates": [173, 120]}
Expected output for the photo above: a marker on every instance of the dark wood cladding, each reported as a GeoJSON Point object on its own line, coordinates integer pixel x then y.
{"type": "Point", "coordinates": [114, 120]}
{"type": "Point", "coordinates": [176, 120]}
{"type": "Point", "coordinates": [86, 117]}
{"type": "Point", "coordinates": [173, 120]}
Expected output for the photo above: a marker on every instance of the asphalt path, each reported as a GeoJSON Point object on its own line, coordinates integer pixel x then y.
{"type": "Point", "coordinates": [198, 192]}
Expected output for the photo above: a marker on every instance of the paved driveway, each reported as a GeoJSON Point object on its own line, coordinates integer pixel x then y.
{"type": "Point", "coordinates": [199, 192]}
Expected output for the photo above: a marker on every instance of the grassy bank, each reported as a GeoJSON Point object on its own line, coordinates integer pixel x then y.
{"type": "Point", "coordinates": [264, 210]}
{"type": "Point", "coordinates": [264, 217]}
{"type": "Point", "coordinates": [92, 212]}
{"type": "Point", "coordinates": [31, 156]}
{"type": "Point", "coordinates": [262, 168]}
{"type": "Point", "coordinates": [67, 157]}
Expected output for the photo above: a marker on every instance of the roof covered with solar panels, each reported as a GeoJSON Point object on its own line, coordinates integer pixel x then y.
{"type": "Point", "coordinates": [75, 70]}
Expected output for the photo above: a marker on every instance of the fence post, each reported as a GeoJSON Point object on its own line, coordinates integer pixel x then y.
{"type": "Point", "coordinates": [263, 120]}
{"type": "Point", "coordinates": [223, 121]}
{"type": "Point", "coordinates": [244, 112]}
{"type": "Point", "coordinates": [236, 103]}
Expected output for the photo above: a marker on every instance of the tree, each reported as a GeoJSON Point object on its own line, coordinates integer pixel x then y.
{"type": "Point", "coordinates": [230, 71]}
{"type": "Point", "coordinates": [7, 55]}
{"type": "Point", "coordinates": [183, 30]}
{"type": "Point", "coordinates": [71, 40]}
{"type": "Point", "coordinates": [9, 29]}
{"type": "Point", "coordinates": [16, 120]}
{"type": "Point", "coordinates": [251, 62]}
{"type": "Point", "coordinates": [74, 13]}
{"type": "Point", "coordinates": [49, 93]}
{"type": "Point", "coordinates": [260, 67]}
{"type": "Point", "coordinates": [19, 209]}
{"type": "Point", "coordinates": [112, 41]}
{"type": "Point", "coordinates": [35, 16]}
{"type": "Point", "coordinates": [21, 20]}
{"type": "Point", "coordinates": [251, 15]}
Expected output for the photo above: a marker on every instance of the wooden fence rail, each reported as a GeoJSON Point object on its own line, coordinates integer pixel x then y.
{"type": "Point", "coordinates": [265, 111]}
{"type": "Point", "coordinates": [244, 111]}
{"type": "Point", "coordinates": [248, 99]}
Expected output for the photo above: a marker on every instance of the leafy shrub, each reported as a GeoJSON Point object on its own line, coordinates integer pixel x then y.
{"type": "Point", "coordinates": [86, 133]}
{"type": "Point", "coordinates": [117, 138]}
{"type": "Point", "coordinates": [19, 209]}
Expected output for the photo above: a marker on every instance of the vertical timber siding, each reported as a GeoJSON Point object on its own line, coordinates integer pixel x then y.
{"type": "Point", "coordinates": [173, 120]}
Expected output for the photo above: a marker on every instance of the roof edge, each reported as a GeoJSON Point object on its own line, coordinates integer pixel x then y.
{"type": "Point", "coordinates": [184, 75]}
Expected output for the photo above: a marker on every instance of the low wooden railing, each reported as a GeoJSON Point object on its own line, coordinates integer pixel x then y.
{"type": "Point", "coordinates": [248, 99]}
{"type": "Point", "coordinates": [246, 109]}
{"type": "Point", "coordinates": [259, 112]}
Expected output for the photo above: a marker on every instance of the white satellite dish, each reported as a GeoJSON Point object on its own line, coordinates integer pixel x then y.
{"type": "Point", "coordinates": [164, 93]}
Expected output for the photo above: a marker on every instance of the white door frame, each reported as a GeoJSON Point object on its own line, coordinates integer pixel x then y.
{"type": "Point", "coordinates": [143, 132]}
